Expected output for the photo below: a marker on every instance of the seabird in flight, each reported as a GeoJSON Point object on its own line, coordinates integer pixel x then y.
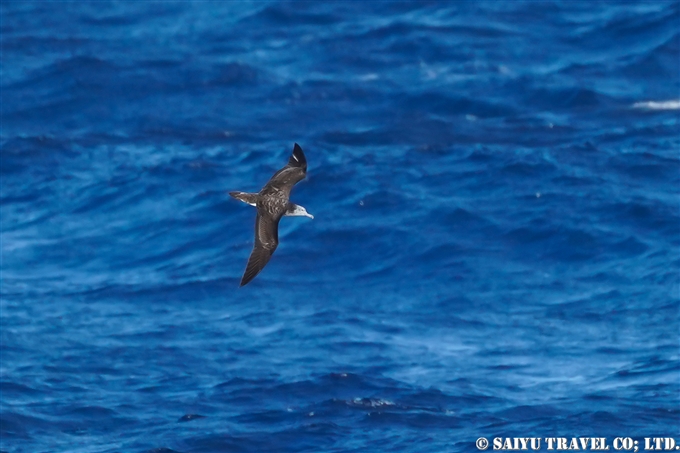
{"type": "Point", "coordinates": [272, 203]}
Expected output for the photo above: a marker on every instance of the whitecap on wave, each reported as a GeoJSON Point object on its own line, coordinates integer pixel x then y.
{"type": "Point", "coordinates": [658, 105]}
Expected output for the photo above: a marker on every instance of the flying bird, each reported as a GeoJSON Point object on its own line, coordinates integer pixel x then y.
{"type": "Point", "coordinates": [272, 203]}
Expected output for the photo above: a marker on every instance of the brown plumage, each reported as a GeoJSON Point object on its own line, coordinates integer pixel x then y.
{"type": "Point", "coordinates": [272, 203]}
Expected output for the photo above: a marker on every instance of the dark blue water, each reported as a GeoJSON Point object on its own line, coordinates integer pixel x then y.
{"type": "Point", "coordinates": [495, 249]}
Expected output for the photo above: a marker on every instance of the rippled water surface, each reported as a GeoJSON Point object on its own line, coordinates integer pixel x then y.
{"type": "Point", "coordinates": [495, 249]}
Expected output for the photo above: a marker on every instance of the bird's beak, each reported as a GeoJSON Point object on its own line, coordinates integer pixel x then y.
{"type": "Point", "coordinates": [309, 215]}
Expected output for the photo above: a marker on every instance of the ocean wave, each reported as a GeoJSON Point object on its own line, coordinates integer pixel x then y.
{"type": "Point", "coordinates": [658, 105]}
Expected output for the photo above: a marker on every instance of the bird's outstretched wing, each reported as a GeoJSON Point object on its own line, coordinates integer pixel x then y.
{"type": "Point", "coordinates": [266, 241]}
{"type": "Point", "coordinates": [294, 172]}
{"type": "Point", "coordinates": [297, 158]}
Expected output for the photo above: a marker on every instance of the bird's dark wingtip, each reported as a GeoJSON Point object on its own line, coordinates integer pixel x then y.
{"type": "Point", "coordinates": [297, 158]}
{"type": "Point", "coordinates": [248, 275]}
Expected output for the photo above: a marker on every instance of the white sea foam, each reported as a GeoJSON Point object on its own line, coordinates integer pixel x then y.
{"type": "Point", "coordinates": [370, 402]}
{"type": "Point", "coordinates": [658, 105]}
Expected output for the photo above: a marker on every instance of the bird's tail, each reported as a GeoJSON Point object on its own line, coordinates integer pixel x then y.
{"type": "Point", "coordinates": [250, 198]}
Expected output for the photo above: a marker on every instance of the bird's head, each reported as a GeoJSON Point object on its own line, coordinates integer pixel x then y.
{"type": "Point", "coordinates": [298, 210]}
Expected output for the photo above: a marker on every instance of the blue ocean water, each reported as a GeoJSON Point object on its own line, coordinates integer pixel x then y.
{"type": "Point", "coordinates": [495, 249]}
